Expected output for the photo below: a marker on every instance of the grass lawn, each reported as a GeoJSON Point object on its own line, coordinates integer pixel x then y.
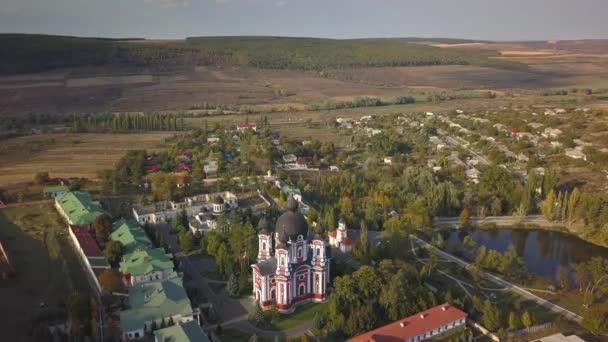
{"type": "Point", "coordinates": [47, 267]}
{"type": "Point", "coordinates": [303, 314]}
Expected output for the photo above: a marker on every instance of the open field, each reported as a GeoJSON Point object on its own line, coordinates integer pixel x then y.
{"type": "Point", "coordinates": [69, 155]}
{"type": "Point", "coordinates": [47, 267]}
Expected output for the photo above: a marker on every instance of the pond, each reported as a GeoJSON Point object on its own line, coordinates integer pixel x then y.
{"type": "Point", "coordinates": [542, 251]}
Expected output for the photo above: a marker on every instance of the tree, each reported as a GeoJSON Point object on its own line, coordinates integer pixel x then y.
{"type": "Point", "coordinates": [317, 321]}
{"type": "Point", "coordinates": [232, 287]}
{"type": "Point", "coordinates": [111, 281]}
{"type": "Point", "coordinates": [186, 241]}
{"type": "Point", "coordinates": [304, 338]}
{"type": "Point", "coordinates": [41, 178]}
{"type": "Point", "coordinates": [170, 322]}
{"type": "Point", "coordinates": [562, 277]}
{"type": "Point", "coordinates": [595, 319]}
{"type": "Point", "coordinates": [363, 238]}
{"type": "Point", "coordinates": [548, 205]}
{"type": "Point", "coordinates": [513, 321]}
{"type": "Point", "coordinates": [103, 226]}
{"type": "Point", "coordinates": [526, 319]}
{"type": "Point", "coordinates": [468, 243]}
{"type": "Point", "coordinates": [464, 217]}
{"type": "Point", "coordinates": [257, 317]}
{"type": "Point", "coordinates": [113, 251]}
{"type": "Point", "coordinates": [431, 264]}
{"type": "Point", "coordinates": [491, 316]}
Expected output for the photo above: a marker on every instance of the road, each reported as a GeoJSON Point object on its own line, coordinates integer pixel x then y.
{"type": "Point", "coordinates": [19, 204]}
{"type": "Point", "coordinates": [501, 282]}
{"type": "Point", "coordinates": [497, 220]}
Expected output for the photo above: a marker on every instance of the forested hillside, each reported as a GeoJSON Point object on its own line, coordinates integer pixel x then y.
{"type": "Point", "coordinates": [22, 53]}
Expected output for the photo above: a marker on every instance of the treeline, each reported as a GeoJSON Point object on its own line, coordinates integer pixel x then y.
{"type": "Point", "coordinates": [360, 102]}
{"type": "Point", "coordinates": [587, 211]}
{"type": "Point", "coordinates": [128, 122]}
{"type": "Point", "coordinates": [23, 53]}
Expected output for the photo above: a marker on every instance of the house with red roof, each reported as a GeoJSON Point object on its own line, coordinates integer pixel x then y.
{"type": "Point", "coordinates": [182, 167]}
{"type": "Point", "coordinates": [89, 252]}
{"type": "Point", "coordinates": [338, 238]}
{"type": "Point", "coordinates": [245, 126]}
{"type": "Point", "coordinates": [441, 320]}
{"type": "Point", "coordinates": [151, 168]}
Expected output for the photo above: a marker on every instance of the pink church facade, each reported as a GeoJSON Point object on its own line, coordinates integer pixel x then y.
{"type": "Point", "coordinates": [291, 269]}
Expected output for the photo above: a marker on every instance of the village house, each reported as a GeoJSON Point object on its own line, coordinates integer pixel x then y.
{"type": "Point", "coordinates": [388, 160]}
{"type": "Point", "coordinates": [559, 337]}
{"type": "Point", "coordinates": [146, 265]}
{"type": "Point", "coordinates": [212, 139]}
{"type": "Point", "coordinates": [202, 223]}
{"type": "Point", "coordinates": [575, 153]}
{"type": "Point", "coordinates": [185, 332]}
{"type": "Point", "coordinates": [339, 238]}
{"type": "Point", "coordinates": [156, 302]}
{"type": "Point", "coordinates": [439, 321]}
{"type": "Point", "coordinates": [473, 175]}
{"type": "Point", "coordinates": [551, 132]}
{"type": "Point", "coordinates": [54, 191]}
{"type": "Point", "coordinates": [89, 253]}
{"type": "Point", "coordinates": [247, 126]}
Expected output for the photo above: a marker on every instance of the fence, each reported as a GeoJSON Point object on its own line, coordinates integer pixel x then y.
{"type": "Point", "coordinates": [530, 330]}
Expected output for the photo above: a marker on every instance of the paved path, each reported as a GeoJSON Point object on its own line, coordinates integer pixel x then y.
{"type": "Point", "coordinates": [497, 220]}
{"type": "Point", "coordinates": [20, 204]}
{"type": "Point", "coordinates": [501, 282]}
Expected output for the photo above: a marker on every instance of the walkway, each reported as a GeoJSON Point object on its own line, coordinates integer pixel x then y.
{"type": "Point", "coordinates": [499, 281]}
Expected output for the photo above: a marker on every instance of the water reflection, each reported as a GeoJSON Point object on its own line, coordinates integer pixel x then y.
{"type": "Point", "coordinates": [542, 251]}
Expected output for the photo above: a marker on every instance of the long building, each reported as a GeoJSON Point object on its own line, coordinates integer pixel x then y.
{"type": "Point", "coordinates": [90, 255]}
{"type": "Point", "coordinates": [78, 208]}
{"type": "Point", "coordinates": [426, 325]}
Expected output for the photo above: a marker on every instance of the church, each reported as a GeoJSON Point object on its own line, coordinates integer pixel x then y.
{"type": "Point", "coordinates": [292, 268]}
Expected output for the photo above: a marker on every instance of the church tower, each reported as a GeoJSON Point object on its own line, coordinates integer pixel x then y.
{"type": "Point", "coordinates": [264, 240]}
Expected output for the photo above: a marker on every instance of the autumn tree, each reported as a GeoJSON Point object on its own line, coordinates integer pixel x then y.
{"type": "Point", "coordinates": [465, 217]}
{"type": "Point", "coordinates": [113, 251]}
{"type": "Point", "coordinates": [103, 226]}
{"type": "Point", "coordinates": [111, 281]}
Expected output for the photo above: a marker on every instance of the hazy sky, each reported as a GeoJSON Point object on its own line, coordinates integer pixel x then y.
{"type": "Point", "coordinates": [477, 19]}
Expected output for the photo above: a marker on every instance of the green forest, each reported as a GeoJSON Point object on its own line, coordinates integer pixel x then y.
{"type": "Point", "coordinates": [23, 53]}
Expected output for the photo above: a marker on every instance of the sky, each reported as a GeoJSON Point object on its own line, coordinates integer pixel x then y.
{"type": "Point", "coordinates": [171, 19]}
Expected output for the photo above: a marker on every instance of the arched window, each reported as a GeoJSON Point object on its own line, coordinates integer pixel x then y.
{"type": "Point", "coordinates": [301, 289]}
{"type": "Point", "coordinates": [264, 245]}
{"type": "Point", "coordinates": [299, 253]}
{"type": "Point", "coordinates": [272, 294]}
{"type": "Point", "coordinates": [283, 261]}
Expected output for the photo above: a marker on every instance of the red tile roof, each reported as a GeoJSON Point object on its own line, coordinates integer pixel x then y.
{"type": "Point", "coordinates": [152, 168]}
{"type": "Point", "coordinates": [182, 167]}
{"type": "Point", "coordinates": [86, 241]}
{"type": "Point", "coordinates": [249, 125]}
{"type": "Point", "coordinates": [412, 326]}
{"type": "Point", "coordinates": [332, 233]}
{"type": "Point", "coordinates": [347, 241]}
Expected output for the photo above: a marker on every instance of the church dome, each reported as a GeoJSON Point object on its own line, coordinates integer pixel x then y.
{"type": "Point", "coordinates": [291, 223]}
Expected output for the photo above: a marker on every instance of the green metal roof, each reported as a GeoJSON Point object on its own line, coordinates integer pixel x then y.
{"type": "Point", "coordinates": [131, 235]}
{"type": "Point", "coordinates": [98, 262]}
{"type": "Point", "coordinates": [146, 261]}
{"type": "Point", "coordinates": [287, 189]}
{"type": "Point", "coordinates": [55, 189]}
{"type": "Point", "coordinates": [185, 332]}
{"type": "Point", "coordinates": [79, 207]}
{"type": "Point", "coordinates": [154, 301]}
